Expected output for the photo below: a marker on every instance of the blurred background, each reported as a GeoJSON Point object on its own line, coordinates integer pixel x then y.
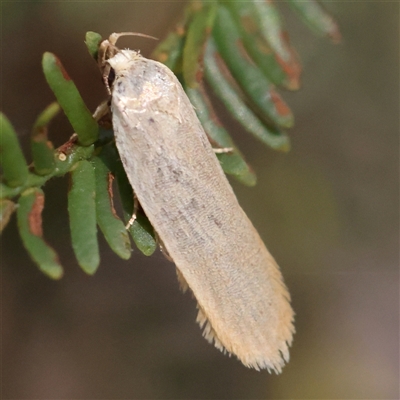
{"type": "Point", "coordinates": [328, 212]}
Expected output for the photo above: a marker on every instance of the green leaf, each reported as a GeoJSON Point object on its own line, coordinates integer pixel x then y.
{"type": "Point", "coordinates": [271, 26]}
{"type": "Point", "coordinates": [250, 78]}
{"type": "Point", "coordinates": [92, 41]}
{"type": "Point", "coordinates": [69, 154]}
{"type": "Point", "coordinates": [316, 18]}
{"type": "Point", "coordinates": [199, 31]}
{"type": "Point", "coordinates": [29, 216]}
{"type": "Point", "coordinates": [233, 162]}
{"type": "Point", "coordinates": [66, 156]}
{"type": "Point", "coordinates": [169, 50]}
{"type": "Point", "coordinates": [15, 169]}
{"type": "Point", "coordinates": [46, 116]}
{"type": "Point", "coordinates": [224, 89]}
{"type": "Point", "coordinates": [141, 231]}
{"type": "Point", "coordinates": [70, 100]}
{"type": "Point", "coordinates": [42, 149]}
{"type": "Point", "coordinates": [82, 216]}
{"type": "Point", "coordinates": [110, 224]}
{"type": "Point", "coordinates": [7, 207]}
{"type": "Point", "coordinates": [143, 234]}
{"type": "Point", "coordinates": [280, 73]}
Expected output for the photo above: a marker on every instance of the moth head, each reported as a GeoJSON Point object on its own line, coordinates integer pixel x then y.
{"type": "Point", "coordinates": [108, 50]}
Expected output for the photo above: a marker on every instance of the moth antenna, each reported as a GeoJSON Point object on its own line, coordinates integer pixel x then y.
{"type": "Point", "coordinates": [115, 36]}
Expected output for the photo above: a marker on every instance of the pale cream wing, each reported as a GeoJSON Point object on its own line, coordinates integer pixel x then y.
{"type": "Point", "coordinates": [242, 299]}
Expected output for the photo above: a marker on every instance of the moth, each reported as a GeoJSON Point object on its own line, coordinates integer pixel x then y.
{"type": "Point", "coordinates": [243, 304]}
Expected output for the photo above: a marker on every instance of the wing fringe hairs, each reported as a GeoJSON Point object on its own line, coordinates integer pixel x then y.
{"type": "Point", "coordinates": [211, 336]}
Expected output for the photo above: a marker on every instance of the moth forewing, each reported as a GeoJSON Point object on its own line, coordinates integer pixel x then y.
{"type": "Point", "coordinates": [243, 303]}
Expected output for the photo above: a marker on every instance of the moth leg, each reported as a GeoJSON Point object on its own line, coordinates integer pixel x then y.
{"type": "Point", "coordinates": [224, 150]}
{"type": "Point", "coordinates": [107, 50]}
{"type": "Point", "coordinates": [134, 215]}
{"type": "Point", "coordinates": [217, 149]}
{"type": "Point", "coordinates": [102, 110]}
{"type": "Point", "coordinates": [106, 74]}
{"type": "Point", "coordinates": [163, 250]}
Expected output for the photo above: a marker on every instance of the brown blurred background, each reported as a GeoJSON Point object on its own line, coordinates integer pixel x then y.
{"type": "Point", "coordinates": [328, 211]}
